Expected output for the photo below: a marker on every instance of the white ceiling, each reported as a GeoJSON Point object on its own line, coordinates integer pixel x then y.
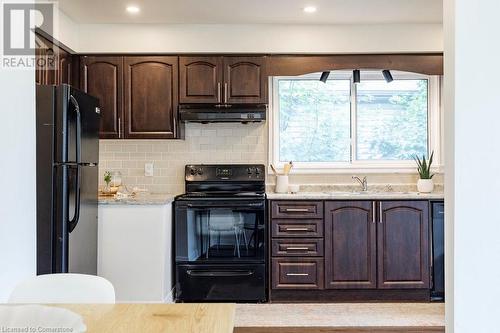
{"type": "Point", "coordinates": [255, 11]}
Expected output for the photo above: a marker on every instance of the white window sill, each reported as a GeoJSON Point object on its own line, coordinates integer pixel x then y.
{"type": "Point", "coordinates": [297, 170]}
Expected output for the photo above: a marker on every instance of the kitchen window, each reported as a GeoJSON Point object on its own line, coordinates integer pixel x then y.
{"type": "Point", "coordinates": [342, 126]}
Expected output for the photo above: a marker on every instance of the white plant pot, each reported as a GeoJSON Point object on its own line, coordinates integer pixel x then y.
{"type": "Point", "coordinates": [425, 185]}
{"type": "Point", "coordinates": [281, 184]}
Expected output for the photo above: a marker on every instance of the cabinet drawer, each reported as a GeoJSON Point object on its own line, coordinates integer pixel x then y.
{"type": "Point", "coordinates": [297, 209]}
{"type": "Point", "coordinates": [297, 228]}
{"type": "Point", "coordinates": [297, 273]}
{"type": "Point", "coordinates": [305, 247]}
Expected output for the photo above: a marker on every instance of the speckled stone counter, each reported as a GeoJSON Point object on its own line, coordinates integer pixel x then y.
{"type": "Point", "coordinates": [143, 199]}
{"type": "Point", "coordinates": [333, 195]}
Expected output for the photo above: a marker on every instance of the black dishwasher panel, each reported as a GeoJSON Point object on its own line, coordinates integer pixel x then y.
{"type": "Point", "coordinates": [437, 291]}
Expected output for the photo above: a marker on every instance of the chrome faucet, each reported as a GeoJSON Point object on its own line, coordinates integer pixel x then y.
{"type": "Point", "coordinates": [363, 182]}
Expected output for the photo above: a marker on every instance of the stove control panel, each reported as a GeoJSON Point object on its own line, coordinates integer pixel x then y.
{"type": "Point", "coordinates": [231, 172]}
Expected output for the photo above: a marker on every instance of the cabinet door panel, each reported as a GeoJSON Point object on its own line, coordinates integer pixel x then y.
{"type": "Point", "coordinates": [200, 79]}
{"type": "Point", "coordinates": [403, 245]}
{"type": "Point", "coordinates": [245, 80]}
{"type": "Point", "coordinates": [297, 247]}
{"type": "Point", "coordinates": [151, 97]}
{"type": "Point", "coordinates": [102, 77]}
{"type": "Point", "coordinates": [350, 245]}
{"type": "Point", "coordinates": [65, 67]}
{"type": "Point", "coordinates": [297, 228]}
{"type": "Point", "coordinates": [47, 59]}
{"type": "Point", "coordinates": [297, 273]}
{"type": "Point", "coordinates": [40, 56]}
{"type": "Point", "coordinates": [297, 209]}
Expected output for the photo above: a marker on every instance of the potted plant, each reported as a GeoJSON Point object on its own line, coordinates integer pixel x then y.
{"type": "Point", "coordinates": [107, 180]}
{"type": "Point", "coordinates": [425, 184]}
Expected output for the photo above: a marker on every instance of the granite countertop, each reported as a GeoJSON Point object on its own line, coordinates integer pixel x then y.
{"type": "Point", "coordinates": [371, 195]}
{"type": "Point", "coordinates": [143, 199]}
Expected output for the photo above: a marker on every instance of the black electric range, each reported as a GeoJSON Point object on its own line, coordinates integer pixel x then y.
{"type": "Point", "coordinates": [220, 234]}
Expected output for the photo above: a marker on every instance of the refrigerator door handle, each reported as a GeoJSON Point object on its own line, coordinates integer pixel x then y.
{"type": "Point", "coordinates": [78, 128]}
{"type": "Point", "coordinates": [76, 216]}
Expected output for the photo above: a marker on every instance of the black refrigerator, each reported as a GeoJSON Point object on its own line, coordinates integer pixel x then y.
{"type": "Point", "coordinates": [67, 155]}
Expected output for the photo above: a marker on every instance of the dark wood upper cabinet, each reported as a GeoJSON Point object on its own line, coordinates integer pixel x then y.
{"type": "Point", "coordinates": [65, 68]}
{"type": "Point", "coordinates": [350, 245]}
{"type": "Point", "coordinates": [403, 245]}
{"type": "Point", "coordinates": [224, 80]}
{"type": "Point", "coordinates": [151, 97]}
{"type": "Point", "coordinates": [55, 63]}
{"type": "Point", "coordinates": [40, 53]}
{"type": "Point", "coordinates": [200, 80]}
{"type": "Point", "coordinates": [102, 77]}
{"type": "Point", "coordinates": [245, 80]}
{"type": "Point", "coordinates": [47, 60]}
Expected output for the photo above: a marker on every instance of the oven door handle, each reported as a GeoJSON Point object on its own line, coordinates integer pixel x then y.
{"type": "Point", "coordinates": [240, 205]}
{"type": "Point", "coordinates": [219, 273]}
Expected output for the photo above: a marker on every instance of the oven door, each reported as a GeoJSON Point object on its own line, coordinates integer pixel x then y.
{"type": "Point", "coordinates": [220, 231]}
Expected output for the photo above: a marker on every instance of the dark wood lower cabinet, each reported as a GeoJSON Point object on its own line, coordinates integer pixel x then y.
{"type": "Point", "coordinates": [297, 273]}
{"type": "Point", "coordinates": [403, 245]}
{"type": "Point", "coordinates": [350, 245]}
{"type": "Point", "coordinates": [350, 250]}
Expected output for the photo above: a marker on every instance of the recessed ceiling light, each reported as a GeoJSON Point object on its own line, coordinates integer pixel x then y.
{"type": "Point", "coordinates": [133, 9]}
{"type": "Point", "coordinates": [310, 9]}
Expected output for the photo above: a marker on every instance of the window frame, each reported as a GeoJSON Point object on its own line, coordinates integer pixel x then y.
{"type": "Point", "coordinates": [434, 128]}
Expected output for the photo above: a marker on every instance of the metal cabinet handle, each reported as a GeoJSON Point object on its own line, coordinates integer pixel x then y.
{"type": "Point", "coordinates": [225, 92]}
{"type": "Point", "coordinates": [297, 229]}
{"type": "Point", "coordinates": [119, 127]}
{"type": "Point", "coordinates": [380, 212]}
{"type": "Point", "coordinates": [297, 274]}
{"type": "Point", "coordinates": [304, 210]}
{"type": "Point", "coordinates": [297, 248]}
{"type": "Point", "coordinates": [373, 211]}
{"type": "Point", "coordinates": [218, 92]}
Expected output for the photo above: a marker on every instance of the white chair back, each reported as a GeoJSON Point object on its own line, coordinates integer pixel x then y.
{"type": "Point", "coordinates": [64, 288]}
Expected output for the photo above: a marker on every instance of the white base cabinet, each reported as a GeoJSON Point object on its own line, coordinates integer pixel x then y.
{"type": "Point", "coordinates": [135, 251]}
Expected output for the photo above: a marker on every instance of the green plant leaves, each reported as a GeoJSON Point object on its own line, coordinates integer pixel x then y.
{"type": "Point", "coordinates": [424, 166]}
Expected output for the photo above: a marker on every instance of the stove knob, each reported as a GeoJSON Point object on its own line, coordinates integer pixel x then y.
{"type": "Point", "coordinates": [250, 171]}
{"type": "Point", "coordinates": [192, 171]}
{"type": "Point", "coordinates": [200, 171]}
{"type": "Point", "coordinates": [257, 171]}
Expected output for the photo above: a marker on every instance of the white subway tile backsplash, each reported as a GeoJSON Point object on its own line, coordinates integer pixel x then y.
{"type": "Point", "coordinates": [145, 148]}
{"type": "Point", "coordinates": [210, 143]}
{"type": "Point", "coordinates": [113, 147]}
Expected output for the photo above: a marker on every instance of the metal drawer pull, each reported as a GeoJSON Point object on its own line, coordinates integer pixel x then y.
{"type": "Point", "coordinates": [297, 274]}
{"type": "Point", "coordinates": [380, 212]}
{"type": "Point", "coordinates": [297, 229]}
{"type": "Point", "coordinates": [373, 212]}
{"type": "Point", "coordinates": [297, 248]}
{"type": "Point", "coordinates": [304, 210]}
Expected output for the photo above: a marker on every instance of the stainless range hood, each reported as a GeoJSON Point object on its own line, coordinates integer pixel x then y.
{"type": "Point", "coordinates": [222, 113]}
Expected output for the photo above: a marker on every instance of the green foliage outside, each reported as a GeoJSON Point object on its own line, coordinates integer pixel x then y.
{"type": "Point", "coordinates": [315, 120]}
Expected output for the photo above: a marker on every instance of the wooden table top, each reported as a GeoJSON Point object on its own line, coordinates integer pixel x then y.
{"type": "Point", "coordinates": [175, 318]}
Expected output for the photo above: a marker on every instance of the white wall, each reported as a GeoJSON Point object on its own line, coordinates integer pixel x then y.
{"type": "Point", "coordinates": [260, 38]}
{"type": "Point", "coordinates": [17, 180]}
{"type": "Point", "coordinates": [449, 142]}
{"type": "Point", "coordinates": [66, 31]}
{"type": "Point", "coordinates": [477, 165]}
{"type": "Point", "coordinates": [17, 197]}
